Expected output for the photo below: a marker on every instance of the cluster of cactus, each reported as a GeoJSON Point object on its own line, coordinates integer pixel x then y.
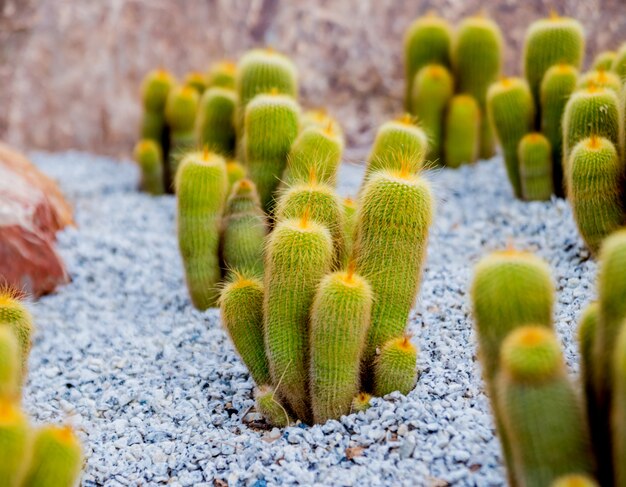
{"type": "Point", "coordinates": [447, 77]}
{"type": "Point", "coordinates": [551, 433]}
{"type": "Point", "coordinates": [48, 456]}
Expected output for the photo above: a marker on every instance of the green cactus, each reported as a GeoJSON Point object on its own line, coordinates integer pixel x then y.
{"type": "Point", "coordinates": [548, 42]}
{"type": "Point", "coordinates": [320, 118]}
{"type": "Point", "coordinates": [148, 156]}
{"type": "Point", "coordinates": [600, 79]}
{"type": "Point", "coordinates": [180, 111]}
{"type": "Point", "coordinates": [154, 92]}
{"type": "Point", "coordinates": [241, 307]}
{"type": "Point", "coordinates": [201, 187]}
{"type": "Point", "coordinates": [271, 126]}
{"type": "Point", "coordinates": [534, 153]}
{"type": "Point", "coordinates": [298, 254]}
{"type": "Point", "coordinates": [511, 112]}
{"type": "Point", "coordinates": [587, 332]}
{"type": "Point", "coordinates": [428, 40]}
{"type": "Point", "coordinates": [14, 314]}
{"type": "Point", "coordinates": [235, 172]}
{"type": "Point", "coordinates": [214, 123]}
{"type": "Point", "coordinates": [10, 366]}
{"type": "Point", "coordinates": [477, 60]}
{"type": "Point", "coordinates": [603, 60]}
{"type": "Point", "coordinates": [394, 216]}
{"type": "Point", "coordinates": [56, 459]}
{"type": "Point", "coordinates": [395, 369]}
{"type": "Point", "coordinates": [432, 90]}
{"type": "Point", "coordinates": [340, 318]}
{"type": "Point", "coordinates": [349, 225]}
{"type": "Point", "coordinates": [221, 74]}
{"type": "Point", "coordinates": [462, 133]}
{"type": "Point", "coordinates": [619, 63]}
{"type": "Point", "coordinates": [618, 408]}
{"type": "Point", "coordinates": [197, 81]}
{"type": "Point", "coordinates": [270, 407]}
{"type": "Point", "coordinates": [558, 84]}
{"type": "Point", "coordinates": [361, 402]}
{"type": "Point", "coordinates": [595, 176]}
{"type": "Point", "coordinates": [541, 411]}
{"type": "Point", "coordinates": [575, 480]}
{"type": "Point", "coordinates": [14, 443]}
{"type": "Point", "coordinates": [244, 230]}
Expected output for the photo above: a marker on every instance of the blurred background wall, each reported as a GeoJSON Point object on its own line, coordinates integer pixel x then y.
{"type": "Point", "coordinates": [70, 69]}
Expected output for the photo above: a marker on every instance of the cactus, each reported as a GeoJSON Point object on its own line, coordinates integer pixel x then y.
{"type": "Point", "coordinates": [56, 458]}
{"type": "Point", "coordinates": [298, 254]}
{"type": "Point", "coordinates": [549, 42]}
{"type": "Point", "coordinates": [511, 112]}
{"type": "Point", "coordinates": [600, 79]}
{"type": "Point", "coordinates": [214, 124]}
{"type": "Point", "coordinates": [340, 318]}
{"type": "Point", "coordinates": [540, 408]}
{"type": "Point", "coordinates": [462, 139]}
{"type": "Point", "coordinates": [594, 181]}
{"type": "Point", "coordinates": [395, 369]}
{"type": "Point", "coordinates": [349, 225]}
{"type": "Point", "coordinates": [558, 84]}
{"type": "Point", "coordinates": [432, 89]}
{"type": "Point", "coordinates": [619, 63]}
{"type": "Point", "coordinates": [201, 187]}
{"type": "Point", "coordinates": [394, 216]}
{"type": "Point", "coordinates": [269, 406]}
{"type": "Point", "coordinates": [14, 443]}
{"type": "Point", "coordinates": [10, 366]}
{"type": "Point", "coordinates": [575, 480]}
{"type": "Point", "coordinates": [477, 60]}
{"type": "Point", "coordinates": [197, 81]}
{"type": "Point", "coordinates": [603, 60]}
{"type": "Point", "coordinates": [14, 314]}
{"type": "Point", "coordinates": [618, 411]}
{"type": "Point", "coordinates": [534, 153]}
{"type": "Point", "coordinates": [361, 402]}
{"type": "Point", "coordinates": [587, 332]}
{"type": "Point", "coordinates": [180, 111]}
{"type": "Point", "coordinates": [155, 89]}
{"type": "Point", "coordinates": [427, 41]}
{"type": "Point", "coordinates": [235, 172]}
{"type": "Point", "coordinates": [271, 126]}
{"type": "Point", "coordinates": [241, 307]}
{"type": "Point", "coordinates": [221, 74]}
{"type": "Point", "coordinates": [244, 230]}
{"type": "Point", "coordinates": [320, 118]}
{"type": "Point", "coordinates": [148, 155]}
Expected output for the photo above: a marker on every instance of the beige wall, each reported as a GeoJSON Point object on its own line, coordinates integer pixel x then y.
{"type": "Point", "coordinates": [70, 69]}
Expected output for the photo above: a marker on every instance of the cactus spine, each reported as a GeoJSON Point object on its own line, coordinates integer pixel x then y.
{"type": "Point", "coordinates": [340, 318]}
{"type": "Point", "coordinates": [214, 124]}
{"type": "Point", "coordinates": [395, 369]}
{"type": "Point", "coordinates": [462, 139]}
{"type": "Point", "coordinates": [618, 411]}
{"type": "Point", "coordinates": [534, 154]}
{"type": "Point", "coordinates": [268, 404]}
{"type": "Point", "coordinates": [604, 60]}
{"type": "Point", "coordinates": [181, 109]}
{"type": "Point", "coordinates": [150, 160]}
{"type": "Point", "coordinates": [201, 188]}
{"type": "Point", "coordinates": [510, 109]}
{"type": "Point", "coordinates": [14, 443]}
{"type": "Point", "coordinates": [10, 366]}
{"type": "Point", "coordinates": [14, 314]}
{"type": "Point", "coordinates": [221, 74]}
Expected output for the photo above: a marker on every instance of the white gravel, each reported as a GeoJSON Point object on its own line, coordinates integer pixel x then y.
{"type": "Point", "coordinates": [160, 396]}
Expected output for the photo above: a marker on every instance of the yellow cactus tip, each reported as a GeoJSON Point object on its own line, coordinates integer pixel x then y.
{"type": "Point", "coordinates": [187, 91]}
{"type": "Point", "coordinates": [602, 77]}
{"type": "Point", "coordinates": [405, 119]}
{"type": "Point", "coordinates": [349, 278]}
{"type": "Point", "coordinates": [9, 295]}
{"type": "Point", "coordinates": [329, 129]}
{"type": "Point", "coordinates": [349, 202]}
{"type": "Point", "coordinates": [405, 343]}
{"type": "Point", "coordinates": [506, 81]}
{"type": "Point", "coordinates": [7, 410]}
{"type": "Point", "coordinates": [274, 91]}
{"type": "Point", "coordinates": [205, 153]}
{"type": "Point", "coordinates": [594, 142]}
{"type": "Point", "coordinates": [228, 66]}
{"type": "Point", "coordinates": [593, 87]}
{"type": "Point", "coordinates": [554, 15]}
{"type": "Point", "coordinates": [312, 175]}
{"type": "Point", "coordinates": [245, 184]}
{"type": "Point", "coordinates": [531, 336]}
{"type": "Point", "coordinates": [304, 221]}
{"type": "Point", "coordinates": [241, 281]}
{"type": "Point", "coordinates": [405, 168]}
{"type": "Point", "coordinates": [64, 434]}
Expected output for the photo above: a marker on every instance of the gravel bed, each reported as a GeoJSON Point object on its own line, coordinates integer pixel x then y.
{"type": "Point", "coordinates": [160, 396]}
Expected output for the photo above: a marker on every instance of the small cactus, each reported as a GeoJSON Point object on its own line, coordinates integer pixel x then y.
{"type": "Point", "coordinates": [148, 156]}
{"type": "Point", "coordinates": [214, 123]}
{"type": "Point", "coordinates": [361, 402]}
{"type": "Point", "coordinates": [270, 407]}
{"type": "Point", "coordinates": [180, 111]}
{"type": "Point", "coordinates": [14, 314]}
{"type": "Point", "coordinates": [600, 79]}
{"type": "Point", "coordinates": [618, 408]}
{"type": "Point", "coordinates": [603, 60]}
{"type": "Point", "coordinates": [154, 92]}
{"type": "Point", "coordinates": [235, 172]}
{"type": "Point", "coordinates": [221, 74]}
{"type": "Point", "coordinates": [197, 81]}
{"type": "Point", "coordinates": [14, 443]}
{"type": "Point", "coordinates": [201, 187]}
{"type": "Point", "coordinates": [10, 366]}
{"type": "Point", "coordinates": [534, 153]}
{"type": "Point", "coordinates": [619, 63]}
{"type": "Point", "coordinates": [395, 368]}
{"type": "Point", "coordinates": [462, 139]}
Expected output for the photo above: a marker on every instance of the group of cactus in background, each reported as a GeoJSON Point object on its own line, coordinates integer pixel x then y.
{"type": "Point", "coordinates": [48, 456]}
{"type": "Point", "coordinates": [551, 433]}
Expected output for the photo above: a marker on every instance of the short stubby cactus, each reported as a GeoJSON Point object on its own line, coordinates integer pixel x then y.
{"type": "Point", "coordinates": [462, 139]}
{"type": "Point", "coordinates": [395, 368]}
{"type": "Point", "coordinates": [14, 443]}
{"type": "Point", "coordinates": [603, 60]}
{"type": "Point", "coordinates": [214, 123]}
{"type": "Point", "coordinates": [197, 81]}
{"type": "Point", "coordinates": [540, 408]}
{"type": "Point", "coordinates": [299, 253]}
{"type": "Point", "coordinates": [148, 156]}
{"type": "Point", "coordinates": [595, 176]}
{"type": "Point", "coordinates": [243, 231]}
{"type": "Point", "coordinates": [535, 158]}
{"type": "Point", "coordinates": [181, 109]}
{"type": "Point", "coordinates": [428, 40]}
{"type": "Point", "coordinates": [618, 408]}
{"type": "Point", "coordinates": [558, 84]}
{"type": "Point", "coordinates": [510, 109]}
{"type": "Point", "coordinates": [235, 172]}
{"type": "Point", "coordinates": [477, 61]}
{"type": "Point", "coordinates": [600, 79]}
{"type": "Point", "coordinates": [221, 74]}
{"type": "Point", "coordinates": [10, 365]}
{"type": "Point", "coordinates": [154, 92]}
{"type": "Point", "coordinates": [13, 313]}
{"type": "Point", "coordinates": [619, 63]}
{"type": "Point", "coordinates": [432, 89]}
{"type": "Point", "coordinates": [241, 307]}
{"type": "Point", "coordinates": [340, 318]}
{"type": "Point", "coordinates": [361, 402]}
{"type": "Point", "coordinates": [56, 458]}
{"type": "Point", "coordinates": [271, 126]}
{"type": "Point", "coordinates": [394, 216]}
{"type": "Point", "coordinates": [270, 407]}
{"type": "Point", "coordinates": [201, 187]}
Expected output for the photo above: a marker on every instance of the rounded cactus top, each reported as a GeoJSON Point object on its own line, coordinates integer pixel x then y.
{"type": "Point", "coordinates": [181, 107]}
{"type": "Point", "coordinates": [147, 147]}
{"type": "Point", "coordinates": [531, 354]}
{"type": "Point", "coordinates": [508, 84]}
{"type": "Point", "coordinates": [272, 99]}
{"type": "Point", "coordinates": [243, 282]}
{"type": "Point", "coordinates": [361, 402]}
{"type": "Point", "coordinates": [12, 309]}
{"type": "Point", "coordinates": [222, 73]}
{"type": "Point", "coordinates": [575, 480]}
{"type": "Point", "coordinates": [534, 138]}
{"type": "Point", "coordinates": [512, 258]}
{"type": "Point", "coordinates": [430, 21]}
{"type": "Point", "coordinates": [62, 434]}
{"type": "Point", "coordinates": [479, 22]}
{"type": "Point", "coordinates": [555, 21]}
{"type": "Point", "coordinates": [155, 88]}
{"type": "Point", "coordinates": [10, 413]}
{"type": "Point", "coordinates": [612, 245]}
{"type": "Point", "coordinates": [600, 78]}
{"type": "Point", "coordinates": [403, 344]}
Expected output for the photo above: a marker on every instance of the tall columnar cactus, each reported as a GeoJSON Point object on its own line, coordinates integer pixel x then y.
{"type": "Point", "coordinates": [180, 111]}
{"type": "Point", "coordinates": [340, 318]}
{"type": "Point", "coordinates": [541, 411]}
{"type": "Point", "coordinates": [148, 156]}
{"type": "Point", "coordinates": [600, 79]}
{"type": "Point", "coordinates": [428, 40]}
{"type": "Point", "coordinates": [241, 306]}
{"type": "Point", "coordinates": [511, 112]}
{"type": "Point", "coordinates": [549, 42]}
{"type": "Point", "coordinates": [154, 92]}
{"type": "Point", "coordinates": [269, 405]}
{"type": "Point", "coordinates": [271, 126]}
{"type": "Point", "coordinates": [394, 216]}
{"type": "Point", "coordinates": [603, 60]}
{"type": "Point", "coordinates": [221, 74]}
{"type": "Point", "coordinates": [619, 63]}
{"type": "Point", "coordinates": [299, 253]}
{"type": "Point", "coordinates": [534, 153]}
{"type": "Point", "coordinates": [243, 230]}
{"type": "Point", "coordinates": [558, 84]}
{"type": "Point", "coordinates": [14, 443]}
{"type": "Point", "coordinates": [462, 131]}
{"type": "Point", "coordinates": [477, 60]}
{"type": "Point", "coordinates": [201, 187]}
{"type": "Point", "coordinates": [618, 408]}
{"type": "Point", "coordinates": [595, 177]}
{"type": "Point", "coordinates": [432, 90]}
{"type": "Point", "coordinates": [197, 81]}
{"type": "Point", "coordinates": [395, 368]}
{"type": "Point", "coordinates": [235, 172]}
{"type": "Point", "coordinates": [349, 224]}
{"type": "Point", "coordinates": [14, 314]}
{"type": "Point", "coordinates": [587, 333]}
{"type": "Point", "coordinates": [10, 365]}
{"type": "Point", "coordinates": [56, 458]}
{"type": "Point", "coordinates": [214, 123]}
